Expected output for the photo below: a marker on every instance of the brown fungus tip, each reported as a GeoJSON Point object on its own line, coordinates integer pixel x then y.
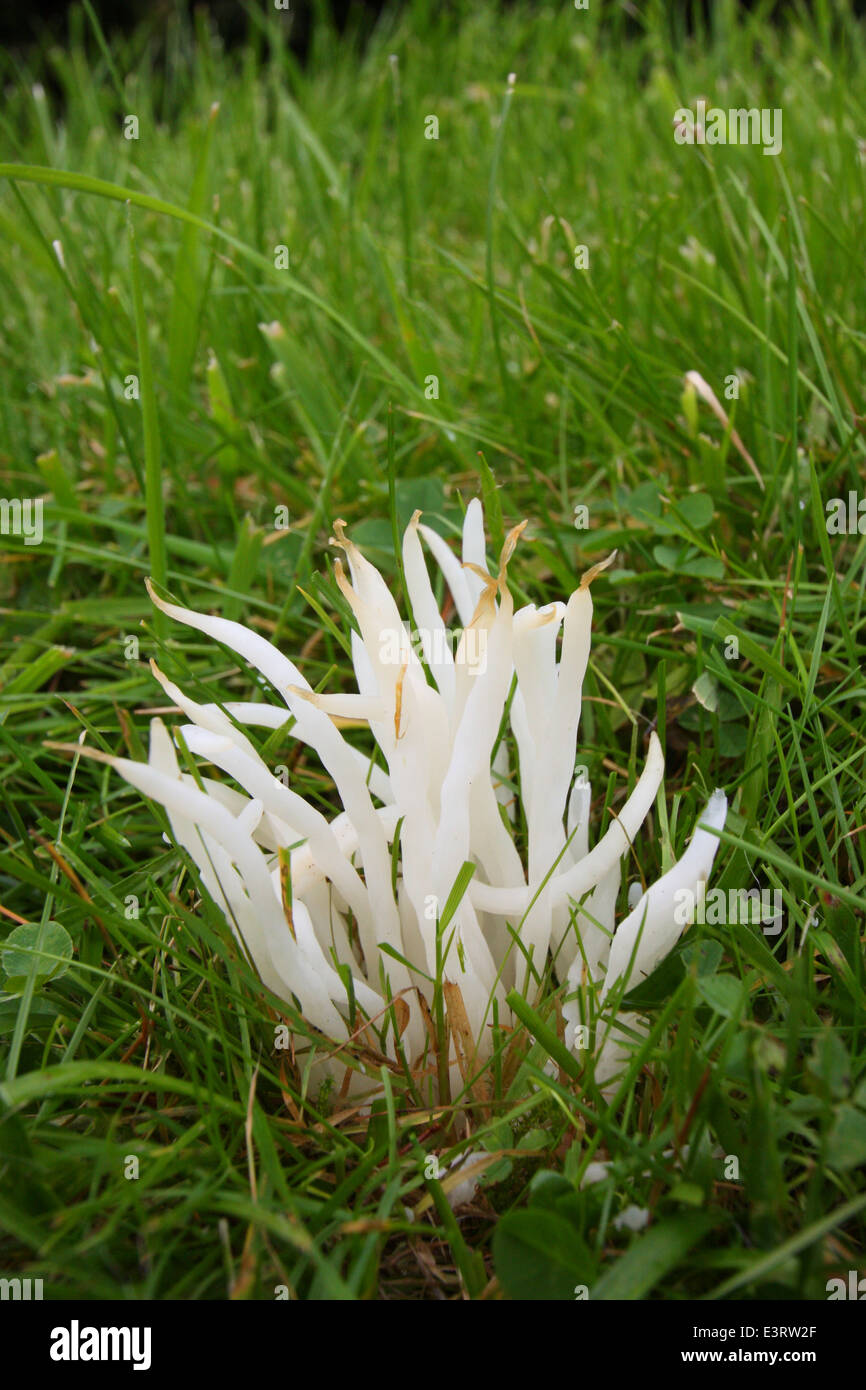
{"type": "Point", "coordinates": [340, 538]}
{"type": "Point", "coordinates": [593, 573]}
{"type": "Point", "coordinates": [510, 542]}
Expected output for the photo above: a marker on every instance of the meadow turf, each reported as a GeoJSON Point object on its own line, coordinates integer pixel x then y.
{"type": "Point", "coordinates": [293, 306]}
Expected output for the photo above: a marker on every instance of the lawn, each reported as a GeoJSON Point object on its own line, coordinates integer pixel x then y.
{"type": "Point", "coordinates": [459, 252]}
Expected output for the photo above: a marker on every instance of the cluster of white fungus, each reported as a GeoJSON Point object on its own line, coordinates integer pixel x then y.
{"type": "Point", "coordinates": [312, 898]}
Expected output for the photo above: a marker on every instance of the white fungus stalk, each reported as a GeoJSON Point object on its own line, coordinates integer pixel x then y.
{"type": "Point", "coordinates": [438, 775]}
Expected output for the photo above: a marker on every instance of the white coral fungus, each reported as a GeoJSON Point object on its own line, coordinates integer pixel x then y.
{"type": "Point", "coordinates": [313, 901]}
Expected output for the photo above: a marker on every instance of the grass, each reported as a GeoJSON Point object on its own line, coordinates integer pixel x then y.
{"type": "Point", "coordinates": [176, 394]}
